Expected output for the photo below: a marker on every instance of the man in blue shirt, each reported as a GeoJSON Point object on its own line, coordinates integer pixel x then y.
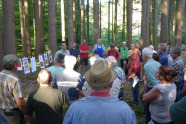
{"type": "Point", "coordinates": [162, 54]}
{"type": "Point", "coordinates": [151, 66]}
{"type": "Point", "coordinates": [100, 107]}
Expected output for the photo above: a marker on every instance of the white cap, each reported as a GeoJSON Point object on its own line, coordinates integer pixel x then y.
{"type": "Point", "coordinates": [124, 42]}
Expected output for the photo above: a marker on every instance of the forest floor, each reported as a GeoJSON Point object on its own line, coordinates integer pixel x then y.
{"type": "Point", "coordinates": [30, 84]}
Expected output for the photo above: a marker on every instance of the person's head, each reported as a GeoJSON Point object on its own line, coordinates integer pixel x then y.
{"type": "Point", "coordinates": [70, 61]}
{"type": "Point", "coordinates": [147, 53]}
{"type": "Point", "coordinates": [132, 46]}
{"type": "Point", "coordinates": [93, 59]}
{"type": "Point", "coordinates": [166, 74]}
{"type": "Point", "coordinates": [175, 52]}
{"type": "Point", "coordinates": [161, 48]}
{"type": "Point", "coordinates": [63, 45]}
{"type": "Point", "coordinates": [130, 54]}
{"type": "Point", "coordinates": [100, 77]}
{"type": "Point", "coordinates": [60, 58]}
{"type": "Point", "coordinates": [99, 41]}
{"type": "Point", "coordinates": [112, 62]}
{"type": "Point", "coordinates": [138, 45]}
{"type": "Point", "coordinates": [45, 77]}
{"type": "Point", "coordinates": [84, 41]}
{"type": "Point", "coordinates": [151, 47]}
{"type": "Point", "coordinates": [74, 44]}
{"type": "Point", "coordinates": [167, 51]}
{"type": "Point", "coordinates": [156, 57]}
{"type": "Point", "coordinates": [10, 62]}
{"type": "Point", "coordinates": [112, 47]}
{"type": "Point", "coordinates": [124, 44]}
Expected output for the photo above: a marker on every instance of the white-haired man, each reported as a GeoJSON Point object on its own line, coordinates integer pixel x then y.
{"type": "Point", "coordinates": [99, 48]}
{"type": "Point", "coordinates": [100, 107]}
{"type": "Point", "coordinates": [151, 66]}
{"type": "Point", "coordinates": [68, 78]}
{"type": "Point", "coordinates": [152, 48]}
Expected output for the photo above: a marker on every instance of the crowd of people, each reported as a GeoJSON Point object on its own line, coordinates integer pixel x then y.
{"type": "Point", "coordinates": [72, 93]}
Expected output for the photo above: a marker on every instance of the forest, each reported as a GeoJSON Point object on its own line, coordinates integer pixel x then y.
{"type": "Point", "coordinates": [32, 27]}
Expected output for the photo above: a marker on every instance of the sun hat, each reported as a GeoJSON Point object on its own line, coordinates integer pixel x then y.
{"type": "Point", "coordinates": [100, 75]}
{"type": "Point", "coordinates": [130, 53]}
{"type": "Point", "coordinates": [10, 60]}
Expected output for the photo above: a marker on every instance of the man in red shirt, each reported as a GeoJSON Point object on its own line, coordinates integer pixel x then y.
{"type": "Point", "coordinates": [84, 51]}
{"type": "Point", "coordinates": [134, 71]}
{"type": "Point", "coordinates": [113, 52]}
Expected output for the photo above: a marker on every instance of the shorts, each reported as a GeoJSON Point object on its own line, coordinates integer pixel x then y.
{"type": "Point", "coordinates": [83, 61]}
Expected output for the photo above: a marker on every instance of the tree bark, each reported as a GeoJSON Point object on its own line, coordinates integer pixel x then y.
{"type": "Point", "coordinates": [100, 19]}
{"type": "Point", "coordinates": [95, 21]}
{"type": "Point", "coordinates": [155, 22]}
{"type": "Point", "coordinates": [150, 23]}
{"type": "Point", "coordinates": [147, 23]}
{"type": "Point", "coordinates": [115, 23]}
{"type": "Point", "coordinates": [1, 47]}
{"type": "Point", "coordinates": [123, 25]}
{"type": "Point", "coordinates": [109, 22]}
{"type": "Point", "coordinates": [70, 23]}
{"type": "Point", "coordinates": [74, 19]}
{"type": "Point", "coordinates": [9, 37]}
{"type": "Point", "coordinates": [82, 21]}
{"type": "Point", "coordinates": [52, 26]}
{"type": "Point", "coordinates": [87, 21]}
{"type": "Point", "coordinates": [164, 21]}
{"type": "Point", "coordinates": [63, 33]}
{"type": "Point", "coordinates": [41, 23]}
{"type": "Point", "coordinates": [129, 22]}
{"type": "Point", "coordinates": [143, 24]}
{"type": "Point", "coordinates": [112, 20]}
{"type": "Point", "coordinates": [179, 23]}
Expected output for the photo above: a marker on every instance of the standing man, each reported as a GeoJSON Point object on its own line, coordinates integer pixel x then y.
{"type": "Point", "coordinates": [136, 51]}
{"type": "Point", "coordinates": [84, 51]}
{"type": "Point", "coordinates": [100, 107]}
{"type": "Point", "coordinates": [75, 52]}
{"type": "Point", "coordinates": [178, 66]}
{"type": "Point", "coordinates": [113, 52]}
{"type": "Point", "coordinates": [135, 72]}
{"type": "Point", "coordinates": [150, 68]}
{"type": "Point", "coordinates": [99, 48]}
{"type": "Point", "coordinates": [141, 58]}
{"type": "Point", "coordinates": [162, 55]}
{"type": "Point", "coordinates": [169, 56]}
{"type": "Point", "coordinates": [123, 52]}
{"type": "Point", "coordinates": [49, 104]}
{"type": "Point", "coordinates": [11, 94]}
{"type": "Point", "coordinates": [63, 50]}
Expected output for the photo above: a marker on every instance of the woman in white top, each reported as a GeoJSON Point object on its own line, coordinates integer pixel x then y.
{"type": "Point", "coordinates": [162, 95]}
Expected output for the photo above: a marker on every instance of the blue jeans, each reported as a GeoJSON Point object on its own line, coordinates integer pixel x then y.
{"type": "Point", "coordinates": [147, 112]}
{"type": "Point", "coordinates": [135, 90]}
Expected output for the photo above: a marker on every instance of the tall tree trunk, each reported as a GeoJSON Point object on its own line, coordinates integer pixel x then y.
{"type": "Point", "coordinates": [143, 23]}
{"type": "Point", "coordinates": [70, 23]}
{"type": "Point", "coordinates": [147, 23]}
{"type": "Point", "coordinates": [74, 19]}
{"type": "Point", "coordinates": [150, 23]}
{"type": "Point", "coordinates": [52, 26]}
{"type": "Point", "coordinates": [164, 21]}
{"type": "Point", "coordinates": [63, 20]}
{"type": "Point", "coordinates": [38, 27]}
{"type": "Point", "coordinates": [95, 21]}
{"type": "Point", "coordinates": [112, 20]}
{"type": "Point", "coordinates": [179, 22]}
{"type": "Point", "coordinates": [100, 19]}
{"type": "Point", "coordinates": [87, 21]}
{"type": "Point", "coordinates": [82, 21]}
{"type": "Point", "coordinates": [1, 47]}
{"type": "Point", "coordinates": [9, 37]}
{"type": "Point", "coordinates": [155, 22]}
{"type": "Point", "coordinates": [115, 23]}
{"type": "Point", "coordinates": [109, 22]}
{"type": "Point", "coordinates": [129, 22]}
{"type": "Point", "coordinates": [123, 25]}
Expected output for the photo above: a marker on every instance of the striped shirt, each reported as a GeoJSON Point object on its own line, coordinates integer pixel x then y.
{"type": "Point", "coordinates": [178, 66]}
{"type": "Point", "coordinates": [10, 89]}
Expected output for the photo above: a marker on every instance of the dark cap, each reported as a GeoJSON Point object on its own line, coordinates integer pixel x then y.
{"type": "Point", "coordinates": [10, 59]}
{"type": "Point", "coordinates": [72, 93]}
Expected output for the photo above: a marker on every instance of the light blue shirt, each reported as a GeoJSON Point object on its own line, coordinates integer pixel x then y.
{"type": "Point", "coordinates": [55, 70]}
{"type": "Point", "coordinates": [170, 60]}
{"type": "Point", "coordinates": [99, 110]}
{"type": "Point", "coordinates": [150, 68]}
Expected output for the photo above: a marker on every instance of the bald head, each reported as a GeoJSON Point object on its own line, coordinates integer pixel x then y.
{"type": "Point", "coordinates": [44, 77]}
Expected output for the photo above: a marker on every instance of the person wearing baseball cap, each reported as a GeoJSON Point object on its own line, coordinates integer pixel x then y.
{"type": "Point", "coordinates": [134, 72]}
{"type": "Point", "coordinates": [12, 97]}
{"type": "Point", "coordinates": [100, 107]}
